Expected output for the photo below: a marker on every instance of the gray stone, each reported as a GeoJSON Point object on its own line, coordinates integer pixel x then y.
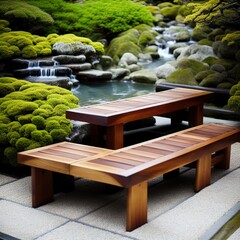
{"type": "Point", "coordinates": [165, 70]}
{"type": "Point", "coordinates": [79, 67]}
{"type": "Point", "coordinates": [144, 76]}
{"type": "Point", "coordinates": [176, 45]}
{"type": "Point", "coordinates": [67, 59]}
{"type": "Point", "coordinates": [63, 82]}
{"type": "Point", "coordinates": [127, 59]}
{"type": "Point", "coordinates": [94, 75]}
{"type": "Point", "coordinates": [119, 73]}
{"type": "Point", "coordinates": [195, 51]}
{"type": "Point", "coordinates": [75, 48]}
{"type": "Point", "coordinates": [106, 62]}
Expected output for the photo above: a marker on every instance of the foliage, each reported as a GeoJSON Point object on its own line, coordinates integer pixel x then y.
{"type": "Point", "coordinates": [94, 19]}
{"type": "Point", "coordinates": [215, 12]}
{"type": "Point", "coordinates": [23, 16]}
{"type": "Point", "coordinates": [35, 120]}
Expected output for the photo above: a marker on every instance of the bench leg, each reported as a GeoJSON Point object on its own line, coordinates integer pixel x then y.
{"type": "Point", "coordinates": [42, 187]}
{"type": "Point", "coordinates": [136, 206]}
{"type": "Point", "coordinates": [203, 172]}
{"type": "Point", "coordinates": [225, 155]}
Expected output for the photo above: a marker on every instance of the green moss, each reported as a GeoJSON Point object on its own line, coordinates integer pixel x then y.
{"type": "Point", "coordinates": [39, 121]}
{"type": "Point", "coordinates": [42, 136]}
{"type": "Point", "coordinates": [225, 85]}
{"type": "Point", "coordinates": [26, 130]}
{"type": "Point", "coordinates": [58, 135]}
{"type": "Point", "coordinates": [11, 154]}
{"type": "Point", "coordinates": [182, 76]}
{"type": "Point", "coordinates": [145, 38]}
{"type": "Point", "coordinates": [5, 89]}
{"type": "Point", "coordinates": [234, 103]}
{"type": "Point", "coordinates": [4, 119]}
{"type": "Point", "coordinates": [52, 124]}
{"type": "Point", "coordinates": [211, 80]}
{"type": "Point", "coordinates": [7, 80]}
{"type": "Point", "coordinates": [29, 52]}
{"type": "Point", "coordinates": [14, 126]}
{"type": "Point", "coordinates": [170, 12]}
{"type": "Point", "coordinates": [203, 74]}
{"type": "Point", "coordinates": [205, 42]}
{"type": "Point", "coordinates": [22, 143]}
{"type": "Point", "coordinates": [26, 118]}
{"type": "Point", "coordinates": [13, 137]}
{"type": "Point", "coordinates": [19, 107]}
{"type": "Point", "coordinates": [195, 65]}
{"type": "Point", "coordinates": [60, 109]}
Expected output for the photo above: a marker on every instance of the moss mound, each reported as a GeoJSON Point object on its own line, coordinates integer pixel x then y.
{"type": "Point", "coordinates": [32, 115]}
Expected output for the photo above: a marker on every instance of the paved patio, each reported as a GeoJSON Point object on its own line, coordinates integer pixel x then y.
{"type": "Point", "coordinates": [90, 212]}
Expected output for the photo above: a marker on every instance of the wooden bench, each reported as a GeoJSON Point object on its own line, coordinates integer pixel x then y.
{"type": "Point", "coordinates": [132, 167]}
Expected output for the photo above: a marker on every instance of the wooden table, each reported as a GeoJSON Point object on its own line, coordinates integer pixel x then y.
{"type": "Point", "coordinates": [108, 119]}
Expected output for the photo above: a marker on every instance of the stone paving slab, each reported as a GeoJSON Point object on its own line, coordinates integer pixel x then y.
{"type": "Point", "coordinates": [26, 223]}
{"type": "Point", "coordinates": [78, 231]}
{"type": "Point", "coordinates": [191, 219]}
{"type": "Point", "coordinates": [5, 179]}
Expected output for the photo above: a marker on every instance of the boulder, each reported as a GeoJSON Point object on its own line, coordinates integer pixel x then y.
{"type": "Point", "coordinates": [68, 59]}
{"type": "Point", "coordinates": [119, 73]}
{"type": "Point", "coordinates": [93, 74]}
{"type": "Point", "coordinates": [78, 67]}
{"type": "Point", "coordinates": [106, 62]}
{"type": "Point", "coordinates": [195, 51]}
{"type": "Point", "coordinates": [182, 76]}
{"type": "Point", "coordinates": [74, 48]}
{"type": "Point", "coordinates": [144, 76]}
{"type": "Point", "coordinates": [164, 71]}
{"type": "Point", "coordinates": [127, 59]}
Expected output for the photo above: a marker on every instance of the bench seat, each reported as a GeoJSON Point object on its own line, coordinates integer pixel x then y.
{"type": "Point", "coordinates": [132, 167]}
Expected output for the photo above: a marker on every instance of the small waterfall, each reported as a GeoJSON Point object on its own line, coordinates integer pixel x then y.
{"type": "Point", "coordinates": [33, 64]}
{"type": "Point", "coordinates": [48, 72]}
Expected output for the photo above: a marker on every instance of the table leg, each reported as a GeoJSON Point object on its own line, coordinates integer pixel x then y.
{"type": "Point", "coordinates": [196, 115]}
{"type": "Point", "coordinates": [136, 206]}
{"type": "Point", "coordinates": [114, 136]}
{"type": "Point", "coordinates": [97, 135]}
{"type": "Point", "coordinates": [42, 187]}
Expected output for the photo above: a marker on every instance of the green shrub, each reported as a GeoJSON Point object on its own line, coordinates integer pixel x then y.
{"type": "Point", "coordinates": [23, 16]}
{"type": "Point", "coordinates": [94, 19]}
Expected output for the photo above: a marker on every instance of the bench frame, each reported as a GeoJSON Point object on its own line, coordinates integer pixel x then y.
{"type": "Point", "coordinates": [215, 152]}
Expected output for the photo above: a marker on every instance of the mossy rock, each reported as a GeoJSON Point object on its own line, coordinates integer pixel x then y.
{"type": "Point", "coordinates": [212, 80]}
{"type": "Point", "coordinates": [182, 76]}
{"type": "Point", "coordinates": [212, 35]}
{"type": "Point", "coordinates": [224, 50]}
{"type": "Point", "coordinates": [195, 65]}
{"type": "Point", "coordinates": [225, 85]}
{"type": "Point", "coordinates": [234, 103]}
{"type": "Point", "coordinates": [170, 12]}
{"type": "Point", "coordinates": [126, 42]}
{"type": "Point", "coordinates": [199, 34]}
{"type": "Point", "coordinates": [235, 72]}
{"type": "Point", "coordinates": [203, 74]}
{"type": "Point", "coordinates": [146, 38]}
{"type": "Point", "coordinates": [165, 4]}
{"type": "Point", "coordinates": [205, 42]}
{"type": "Point", "coordinates": [228, 64]}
